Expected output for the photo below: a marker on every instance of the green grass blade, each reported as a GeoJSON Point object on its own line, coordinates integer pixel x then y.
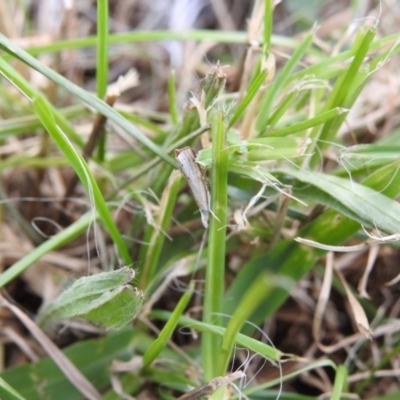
{"type": "Point", "coordinates": [294, 260]}
{"type": "Point", "coordinates": [251, 92]}
{"type": "Point", "coordinates": [274, 88]}
{"type": "Point", "coordinates": [136, 36]}
{"type": "Point", "coordinates": [282, 108]}
{"type": "Point", "coordinates": [357, 201]}
{"type": "Point", "coordinates": [268, 22]}
{"type": "Point", "coordinates": [261, 348]}
{"type": "Point", "coordinates": [56, 241]}
{"type": "Point", "coordinates": [25, 87]}
{"type": "Point", "coordinates": [7, 392]}
{"type": "Point", "coordinates": [340, 91]}
{"type": "Point", "coordinates": [340, 384]}
{"type": "Point", "coordinates": [251, 300]}
{"type": "Point", "coordinates": [80, 166]}
{"type": "Point", "coordinates": [163, 221]}
{"type": "Point", "coordinates": [309, 123]}
{"type": "Point", "coordinates": [159, 344]}
{"type": "Point", "coordinates": [324, 67]}
{"type": "Point", "coordinates": [102, 63]}
{"type": "Point", "coordinates": [214, 283]}
{"type": "Point", "coordinates": [102, 48]}
{"type": "Point", "coordinates": [20, 125]}
{"type": "Point", "coordinates": [86, 97]}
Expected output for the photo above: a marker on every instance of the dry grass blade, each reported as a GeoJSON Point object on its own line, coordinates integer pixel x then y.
{"type": "Point", "coordinates": [362, 287]}
{"type": "Point", "coordinates": [20, 341]}
{"type": "Point", "coordinates": [358, 312]}
{"type": "Point", "coordinates": [69, 369]}
{"type": "Point", "coordinates": [323, 298]}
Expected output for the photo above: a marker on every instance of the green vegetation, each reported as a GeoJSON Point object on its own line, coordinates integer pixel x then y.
{"type": "Point", "coordinates": [180, 306]}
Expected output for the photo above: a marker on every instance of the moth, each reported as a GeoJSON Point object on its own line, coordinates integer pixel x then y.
{"type": "Point", "coordinates": [195, 178]}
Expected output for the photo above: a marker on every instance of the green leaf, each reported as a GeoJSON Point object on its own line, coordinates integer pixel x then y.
{"type": "Point", "coordinates": [352, 199]}
{"type": "Point", "coordinates": [44, 380]}
{"type": "Point", "coordinates": [103, 299]}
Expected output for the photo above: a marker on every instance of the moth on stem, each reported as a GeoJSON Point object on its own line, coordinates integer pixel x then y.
{"type": "Point", "coordinates": [195, 178]}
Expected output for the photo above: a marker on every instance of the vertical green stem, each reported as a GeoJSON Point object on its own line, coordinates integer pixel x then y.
{"type": "Point", "coordinates": [214, 281]}
{"type": "Point", "coordinates": [269, 8]}
{"type": "Point", "coordinates": [102, 59]}
{"type": "Point", "coordinates": [102, 48]}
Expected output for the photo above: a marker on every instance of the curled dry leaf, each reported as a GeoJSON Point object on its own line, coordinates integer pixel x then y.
{"type": "Point", "coordinates": [358, 312]}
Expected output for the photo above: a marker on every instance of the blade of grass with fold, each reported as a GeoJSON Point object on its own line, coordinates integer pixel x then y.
{"type": "Point", "coordinates": [357, 201]}
{"type": "Point", "coordinates": [80, 166]}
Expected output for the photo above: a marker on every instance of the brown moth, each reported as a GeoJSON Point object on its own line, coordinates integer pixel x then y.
{"type": "Point", "coordinates": [194, 175]}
